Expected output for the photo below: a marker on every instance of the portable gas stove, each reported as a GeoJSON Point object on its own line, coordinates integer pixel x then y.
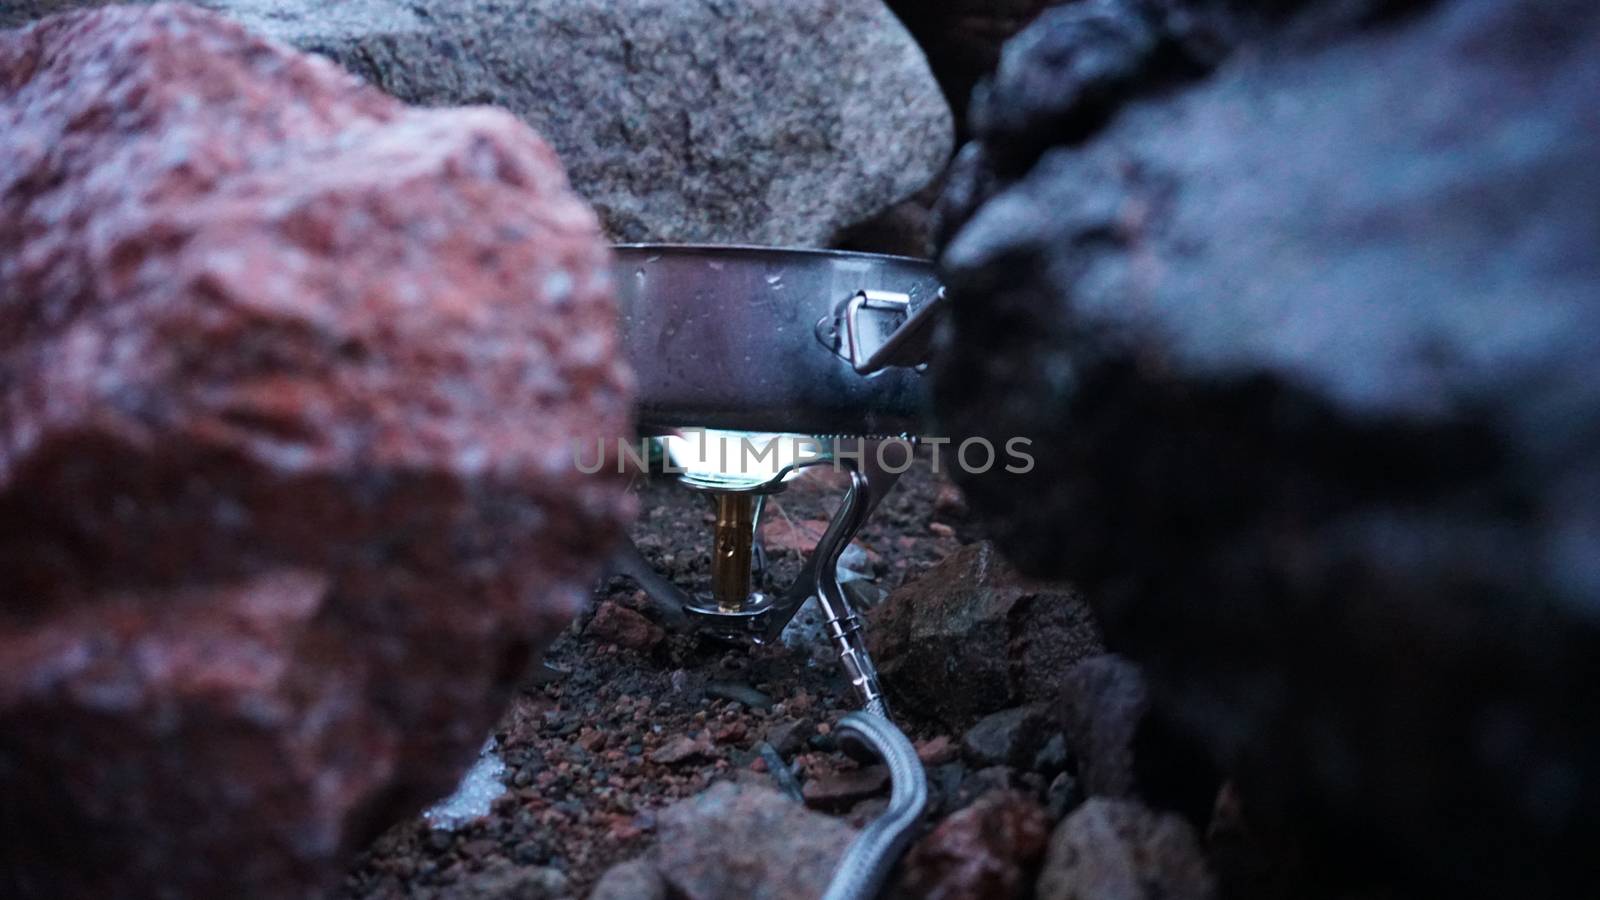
{"type": "Point", "coordinates": [754, 363]}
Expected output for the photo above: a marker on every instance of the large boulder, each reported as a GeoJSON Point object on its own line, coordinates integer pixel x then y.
{"type": "Point", "coordinates": [1310, 342]}
{"type": "Point", "coordinates": [289, 374]}
{"type": "Point", "coordinates": [747, 121]}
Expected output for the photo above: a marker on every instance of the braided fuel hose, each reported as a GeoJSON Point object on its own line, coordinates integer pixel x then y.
{"type": "Point", "coordinates": [867, 862]}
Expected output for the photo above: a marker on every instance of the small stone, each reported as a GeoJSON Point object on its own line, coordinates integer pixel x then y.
{"type": "Point", "coordinates": [1053, 757]}
{"type": "Point", "coordinates": [789, 736]}
{"type": "Point", "coordinates": [937, 751]}
{"type": "Point", "coordinates": [842, 789]}
{"type": "Point", "coordinates": [1012, 737]}
{"type": "Point", "coordinates": [739, 693]}
{"type": "Point", "coordinates": [1062, 796]}
{"type": "Point", "coordinates": [682, 749]}
{"type": "Point", "coordinates": [616, 624]}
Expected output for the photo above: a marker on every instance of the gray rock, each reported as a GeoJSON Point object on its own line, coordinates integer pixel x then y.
{"type": "Point", "coordinates": [1119, 850]}
{"type": "Point", "coordinates": [737, 840]}
{"type": "Point", "coordinates": [751, 121]}
{"type": "Point", "coordinates": [971, 637]}
{"type": "Point", "coordinates": [1311, 342]}
{"type": "Point", "coordinates": [1012, 737]}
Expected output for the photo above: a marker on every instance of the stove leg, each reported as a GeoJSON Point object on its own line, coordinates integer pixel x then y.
{"type": "Point", "coordinates": [669, 601]}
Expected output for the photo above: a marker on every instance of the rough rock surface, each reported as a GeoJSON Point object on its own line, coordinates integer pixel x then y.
{"type": "Point", "coordinates": [738, 840]}
{"type": "Point", "coordinates": [1011, 737]}
{"type": "Point", "coordinates": [972, 637]}
{"type": "Point", "coordinates": [1103, 702]}
{"type": "Point", "coordinates": [288, 374]}
{"type": "Point", "coordinates": [1120, 850]}
{"type": "Point", "coordinates": [963, 38]}
{"type": "Point", "coordinates": [987, 851]}
{"type": "Point", "coordinates": [747, 121]}
{"type": "Point", "coordinates": [1311, 340]}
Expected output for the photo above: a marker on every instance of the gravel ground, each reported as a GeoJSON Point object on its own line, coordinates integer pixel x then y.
{"type": "Point", "coordinates": [633, 721]}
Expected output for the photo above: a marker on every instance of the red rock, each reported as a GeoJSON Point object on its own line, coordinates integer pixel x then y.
{"type": "Point", "coordinates": [682, 749]}
{"type": "Point", "coordinates": [841, 790]}
{"type": "Point", "coordinates": [290, 375]}
{"type": "Point", "coordinates": [624, 627]}
{"type": "Point", "coordinates": [800, 536]}
{"type": "Point", "coordinates": [937, 751]}
{"type": "Point", "coordinates": [983, 852]}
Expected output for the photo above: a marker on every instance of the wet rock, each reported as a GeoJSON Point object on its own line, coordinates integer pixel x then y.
{"type": "Point", "coordinates": [635, 880]}
{"type": "Point", "coordinates": [1011, 737]}
{"type": "Point", "coordinates": [1103, 703]}
{"type": "Point", "coordinates": [972, 636]}
{"type": "Point", "coordinates": [840, 790]}
{"type": "Point", "coordinates": [1119, 850]}
{"type": "Point", "coordinates": [290, 374]}
{"type": "Point", "coordinates": [984, 852]}
{"type": "Point", "coordinates": [1311, 342]}
{"type": "Point", "coordinates": [755, 122]}
{"type": "Point", "coordinates": [616, 624]}
{"type": "Point", "coordinates": [746, 841]}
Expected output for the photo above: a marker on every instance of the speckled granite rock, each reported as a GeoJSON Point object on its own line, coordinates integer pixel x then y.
{"type": "Point", "coordinates": [746, 121]}
{"type": "Point", "coordinates": [1311, 344]}
{"type": "Point", "coordinates": [288, 374]}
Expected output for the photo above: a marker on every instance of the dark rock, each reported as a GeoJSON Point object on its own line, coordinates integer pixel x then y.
{"type": "Point", "coordinates": [1053, 757]}
{"type": "Point", "coordinates": [1311, 342]}
{"type": "Point", "coordinates": [635, 880]}
{"type": "Point", "coordinates": [971, 637]}
{"type": "Point", "coordinates": [1012, 737]}
{"type": "Point", "coordinates": [1062, 796]}
{"type": "Point", "coordinates": [290, 375]}
{"type": "Point", "coordinates": [984, 852]}
{"type": "Point", "coordinates": [616, 624]}
{"type": "Point", "coordinates": [1119, 850]}
{"type": "Point", "coordinates": [756, 122]}
{"type": "Point", "coordinates": [789, 736]}
{"type": "Point", "coordinates": [840, 790]}
{"type": "Point", "coordinates": [1103, 703]}
{"type": "Point", "coordinates": [745, 841]}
